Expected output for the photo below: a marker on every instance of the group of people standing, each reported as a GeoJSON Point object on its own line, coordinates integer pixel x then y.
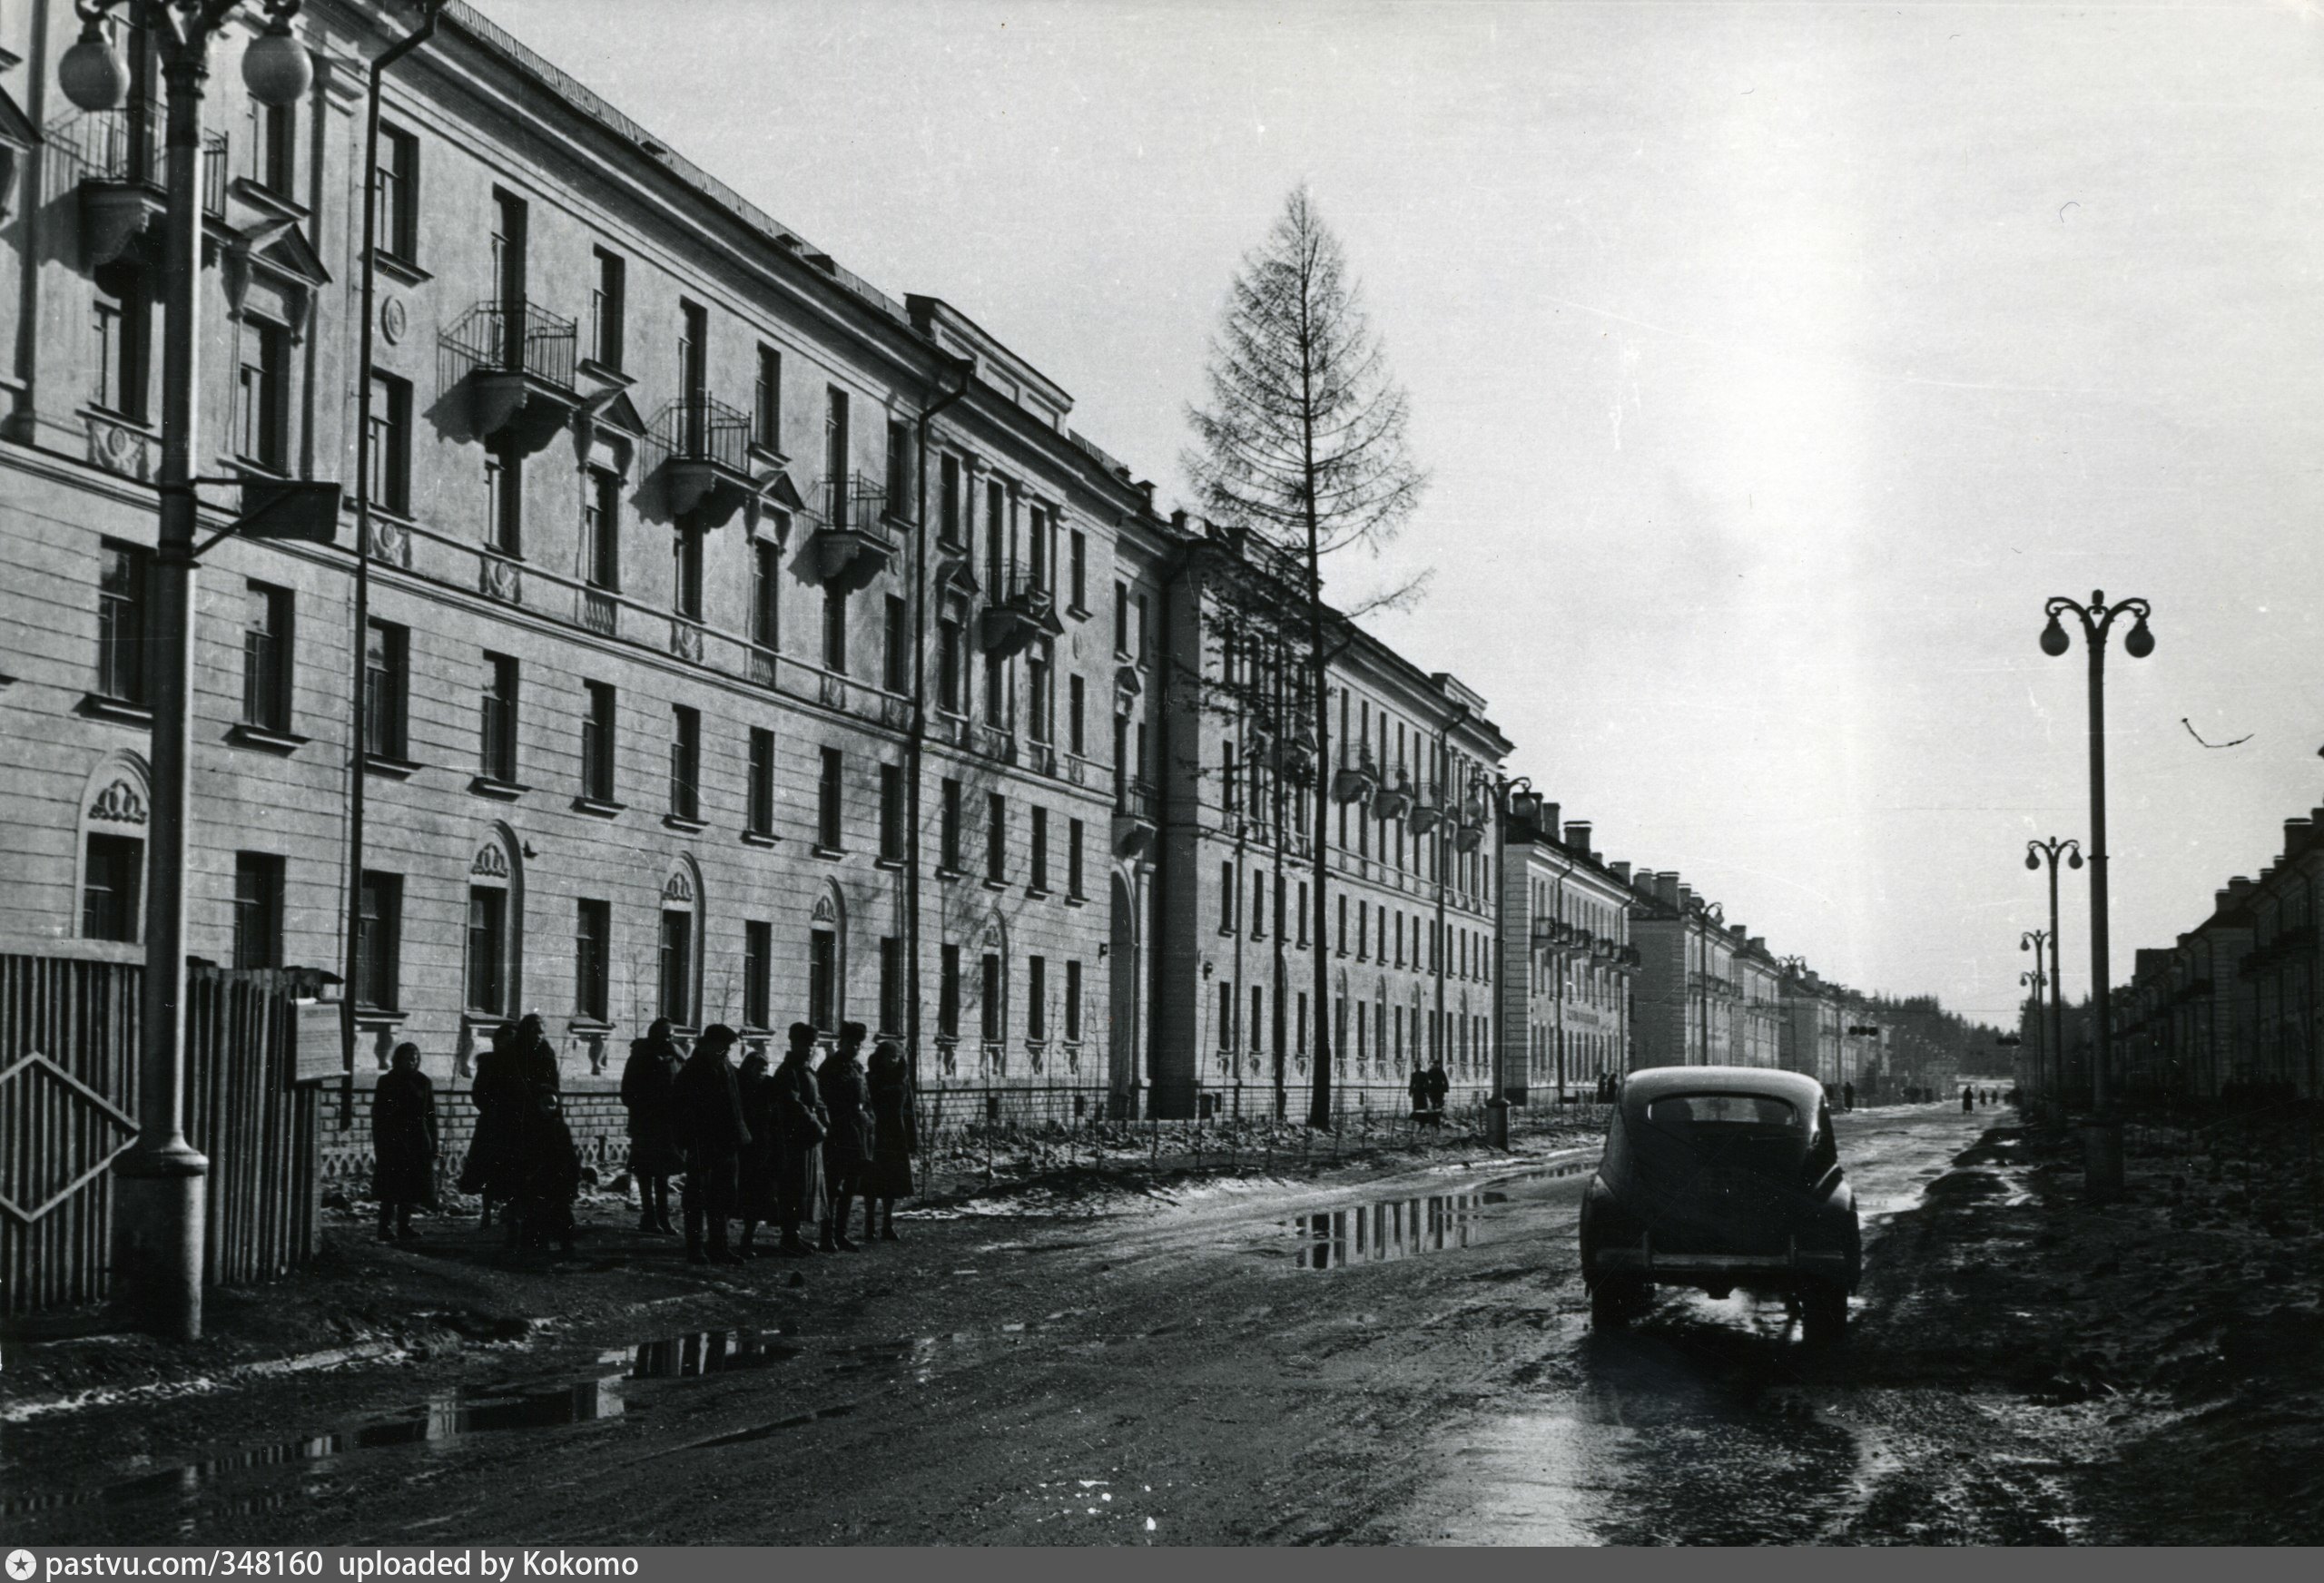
{"type": "Point", "coordinates": [1429, 1085]}
{"type": "Point", "coordinates": [791, 1147]}
{"type": "Point", "coordinates": [787, 1147]}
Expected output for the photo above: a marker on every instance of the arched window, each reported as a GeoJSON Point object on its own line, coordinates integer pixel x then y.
{"type": "Point", "coordinates": [678, 960]}
{"type": "Point", "coordinates": [493, 976]}
{"type": "Point", "coordinates": [992, 996]}
{"type": "Point", "coordinates": [110, 883]}
{"type": "Point", "coordinates": [827, 961]}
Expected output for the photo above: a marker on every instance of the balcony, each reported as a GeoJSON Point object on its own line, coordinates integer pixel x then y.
{"type": "Point", "coordinates": [1133, 818]}
{"type": "Point", "coordinates": [851, 543]}
{"type": "Point", "coordinates": [117, 160]}
{"type": "Point", "coordinates": [707, 451]}
{"type": "Point", "coordinates": [1356, 782]}
{"type": "Point", "coordinates": [519, 360]}
{"type": "Point", "coordinates": [1393, 800]}
{"type": "Point", "coordinates": [1022, 613]}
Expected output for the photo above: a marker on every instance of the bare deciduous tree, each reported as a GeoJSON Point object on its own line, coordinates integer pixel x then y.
{"type": "Point", "coordinates": [1303, 449]}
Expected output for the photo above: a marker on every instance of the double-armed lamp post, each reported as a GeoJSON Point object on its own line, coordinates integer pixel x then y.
{"type": "Point", "coordinates": [2036, 853]}
{"type": "Point", "coordinates": [159, 1181]}
{"type": "Point", "coordinates": [2103, 1143]}
{"type": "Point", "coordinates": [2034, 939]}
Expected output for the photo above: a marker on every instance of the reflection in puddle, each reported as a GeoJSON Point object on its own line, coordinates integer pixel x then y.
{"type": "Point", "coordinates": [1396, 1229]}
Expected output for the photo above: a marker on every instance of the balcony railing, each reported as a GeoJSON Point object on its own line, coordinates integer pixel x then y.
{"type": "Point", "coordinates": [1022, 611]}
{"type": "Point", "coordinates": [518, 337]}
{"type": "Point", "coordinates": [702, 428]}
{"type": "Point", "coordinates": [852, 543]}
{"type": "Point", "coordinates": [125, 149]}
{"type": "Point", "coordinates": [853, 502]}
{"type": "Point", "coordinates": [1134, 799]}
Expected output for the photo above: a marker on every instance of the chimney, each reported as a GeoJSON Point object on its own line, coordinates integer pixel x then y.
{"type": "Point", "coordinates": [1667, 889]}
{"type": "Point", "coordinates": [1735, 931]}
{"type": "Point", "coordinates": [1179, 519]}
{"type": "Point", "coordinates": [1686, 898]}
{"type": "Point", "coordinates": [1550, 819]}
{"type": "Point", "coordinates": [2296, 834]}
{"type": "Point", "coordinates": [1621, 872]}
{"type": "Point", "coordinates": [1758, 942]}
{"type": "Point", "coordinates": [1577, 837]}
{"type": "Point", "coordinates": [1145, 488]}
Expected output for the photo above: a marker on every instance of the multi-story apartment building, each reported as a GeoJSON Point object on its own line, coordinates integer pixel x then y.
{"type": "Point", "coordinates": [1813, 1022]}
{"type": "Point", "coordinates": [740, 642]}
{"type": "Point", "coordinates": [1757, 1005]}
{"type": "Point", "coordinates": [1567, 961]}
{"type": "Point", "coordinates": [1407, 938]}
{"type": "Point", "coordinates": [1685, 982]}
{"type": "Point", "coordinates": [2285, 963]}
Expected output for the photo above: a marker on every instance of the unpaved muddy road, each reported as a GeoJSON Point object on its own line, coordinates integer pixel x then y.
{"type": "Point", "coordinates": [1407, 1362]}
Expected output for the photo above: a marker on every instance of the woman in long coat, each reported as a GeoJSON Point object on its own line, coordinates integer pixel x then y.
{"type": "Point", "coordinates": [894, 1136]}
{"type": "Point", "coordinates": [648, 1084]}
{"type": "Point", "coordinates": [755, 1195]}
{"type": "Point", "coordinates": [498, 1093]}
{"type": "Point", "coordinates": [403, 1143]}
{"type": "Point", "coordinates": [847, 1149]}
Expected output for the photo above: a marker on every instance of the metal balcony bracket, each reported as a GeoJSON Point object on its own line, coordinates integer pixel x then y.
{"type": "Point", "coordinates": [115, 214]}
{"type": "Point", "coordinates": [520, 411]}
{"type": "Point", "coordinates": [848, 558]}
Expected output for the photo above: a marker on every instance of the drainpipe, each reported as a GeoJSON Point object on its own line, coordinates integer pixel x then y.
{"type": "Point", "coordinates": [360, 723]}
{"type": "Point", "coordinates": [915, 745]}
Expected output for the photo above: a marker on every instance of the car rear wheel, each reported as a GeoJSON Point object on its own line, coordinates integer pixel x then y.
{"type": "Point", "coordinates": [1823, 1315]}
{"type": "Point", "coordinates": [1612, 1303]}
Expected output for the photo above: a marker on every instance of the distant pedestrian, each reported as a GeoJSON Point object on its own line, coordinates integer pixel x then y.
{"type": "Point", "coordinates": [711, 1126]}
{"type": "Point", "coordinates": [1968, 1100]}
{"type": "Point", "coordinates": [1439, 1087]}
{"type": "Point", "coordinates": [895, 1136]}
{"type": "Point", "coordinates": [498, 1092]}
{"type": "Point", "coordinates": [755, 1195]}
{"type": "Point", "coordinates": [1847, 1096]}
{"type": "Point", "coordinates": [648, 1091]}
{"type": "Point", "coordinates": [403, 1143]}
{"type": "Point", "coordinates": [847, 1146]}
{"type": "Point", "coordinates": [800, 1123]}
{"type": "Point", "coordinates": [548, 1174]}
{"type": "Point", "coordinates": [1418, 1088]}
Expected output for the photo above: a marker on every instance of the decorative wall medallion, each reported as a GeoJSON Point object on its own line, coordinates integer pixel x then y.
{"type": "Point", "coordinates": [118, 449]}
{"type": "Point", "coordinates": [685, 640]}
{"type": "Point", "coordinates": [499, 579]}
{"type": "Point", "coordinates": [826, 909]}
{"type": "Point", "coordinates": [831, 692]}
{"type": "Point", "coordinates": [119, 804]}
{"type": "Point", "coordinates": [491, 861]}
{"type": "Point", "coordinates": [393, 321]}
{"type": "Point", "coordinates": [390, 543]}
{"type": "Point", "coordinates": [680, 886]}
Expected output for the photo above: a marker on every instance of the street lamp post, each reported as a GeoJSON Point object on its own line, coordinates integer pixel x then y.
{"type": "Point", "coordinates": [1512, 797]}
{"type": "Point", "coordinates": [2032, 941]}
{"type": "Point", "coordinates": [158, 1187]}
{"type": "Point", "coordinates": [2036, 852]}
{"type": "Point", "coordinates": [2103, 1142]}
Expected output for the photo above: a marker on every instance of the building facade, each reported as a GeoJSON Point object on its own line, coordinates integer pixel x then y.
{"type": "Point", "coordinates": [1685, 984]}
{"type": "Point", "coordinates": [1568, 966]}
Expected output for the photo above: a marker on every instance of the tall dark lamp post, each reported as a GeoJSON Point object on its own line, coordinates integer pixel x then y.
{"type": "Point", "coordinates": [159, 1180]}
{"type": "Point", "coordinates": [2103, 1141]}
{"type": "Point", "coordinates": [2034, 979]}
{"type": "Point", "coordinates": [2034, 939]}
{"type": "Point", "coordinates": [2036, 853]}
{"type": "Point", "coordinates": [1512, 798]}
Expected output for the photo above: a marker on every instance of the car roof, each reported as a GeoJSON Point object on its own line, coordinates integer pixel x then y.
{"type": "Point", "coordinates": [1642, 1088]}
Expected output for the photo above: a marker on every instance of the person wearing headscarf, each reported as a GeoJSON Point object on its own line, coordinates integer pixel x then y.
{"type": "Point", "coordinates": [403, 1143]}
{"type": "Point", "coordinates": [755, 1182]}
{"type": "Point", "coordinates": [547, 1175]}
{"type": "Point", "coordinates": [711, 1126]}
{"type": "Point", "coordinates": [847, 1149]}
{"type": "Point", "coordinates": [648, 1092]}
{"type": "Point", "coordinates": [800, 1123]}
{"type": "Point", "coordinates": [894, 1136]}
{"type": "Point", "coordinates": [498, 1092]}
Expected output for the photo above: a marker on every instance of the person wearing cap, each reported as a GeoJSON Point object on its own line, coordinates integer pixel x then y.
{"type": "Point", "coordinates": [800, 1121]}
{"type": "Point", "coordinates": [847, 1149]}
{"type": "Point", "coordinates": [648, 1089]}
{"type": "Point", "coordinates": [710, 1124]}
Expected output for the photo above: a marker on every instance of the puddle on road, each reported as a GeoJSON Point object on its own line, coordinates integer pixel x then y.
{"type": "Point", "coordinates": [1395, 1228]}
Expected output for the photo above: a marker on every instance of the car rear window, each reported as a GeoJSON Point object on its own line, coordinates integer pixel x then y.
{"type": "Point", "coordinates": [1684, 1114]}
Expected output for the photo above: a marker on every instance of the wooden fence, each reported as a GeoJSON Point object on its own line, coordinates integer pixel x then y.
{"type": "Point", "coordinates": [68, 1103]}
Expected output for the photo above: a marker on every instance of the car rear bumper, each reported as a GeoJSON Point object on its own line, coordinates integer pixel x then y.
{"type": "Point", "coordinates": [1671, 1266]}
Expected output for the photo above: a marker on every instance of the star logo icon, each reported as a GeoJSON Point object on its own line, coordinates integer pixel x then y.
{"type": "Point", "coordinates": [21, 1565]}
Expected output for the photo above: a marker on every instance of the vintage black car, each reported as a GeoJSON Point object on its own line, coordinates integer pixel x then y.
{"type": "Point", "coordinates": [1716, 1177]}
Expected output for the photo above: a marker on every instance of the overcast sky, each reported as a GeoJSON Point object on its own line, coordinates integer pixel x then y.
{"type": "Point", "coordinates": [1773, 363]}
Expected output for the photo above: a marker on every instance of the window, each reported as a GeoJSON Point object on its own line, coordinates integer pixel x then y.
{"type": "Point", "coordinates": [392, 444]}
{"type": "Point", "coordinates": [836, 447]}
{"type": "Point", "coordinates": [601, 529]}
{"type": "Point", "coordinates": [1037, 1022]}
{"type": "Point", "coordinates": [273, 146]}
{"type": "Point", "coordinates": [828, 792]}
{"type": "Point", "coordinates": [996, 838]}
{"type": "Point", "coordinates": [1036, 541]}
{"type": "Point", "coordinates": [593, 929]}
{"type": "Point", "coordinates": [1078, 546]}
{"type": "Point", "coordinates": [262, 396]}
{"type": "Point", "coordinates": [1073, 1002]}
{"type": "Point", "coordinates": [498, 755]}
{"type": "Point", "coordinates": [891, 984]}
{"type": "Point", "coordinates": [1363, 930]}
{"type": "Point", "coordinates": [1078, 694]}
{"type": "Point", "coordinates": [1040, 851]}
{"type": "Point", "coordinates": [947, 667]}
{"type": "Point", "coordinates": [758, 973]}
{"type": "Point", "coordinates": [998, 536]}
{"type": "Point", "coordinates": [759, 813]}
{"type": "Point", "coordinates": [685, 572]}
{"type": "Point", "coordinates": [694, 372]}
{"type": "Point", "coordinates": [766, 400]}
{"type": "Point", "coordinates": [1303, 912]}
{"type": "Point", "coordinates": [989, 1010]}
{"type": "Point", "coordinates": [598, 743]}
{"type": "Point", "coordinates": [1121, 619]}
{"type": "Point", "coordinates": [685, 762]}
{"type": "Point", "coordinates": [1258, 904]}
{"type": "Point", "coordinates": [1226, 1016]}
{"type": "Point", "coordinates": [766, 575]}
{"type": "Point", "coordinates": [1226, 897]}
{"type": "Point", "coordinates": [823, 979]}
{"type": "Point", "coordinates": [892, 813]}
{"type": "Point", "coordinates": [111, 879]}
{"type": "Point", "coordinates": [834, 631]}
{"type": "Point", "coordinates": [379, 942]}
{"type": "Point", "coordinates": [897, 677]}
{"type": "Point", "coordinates": [1299, 1026]}
{"type": "Point", "coordinates": [504, 502]}
{"type": "Point", "coordinates": [387, 679]}
{"type": "Point", "coordinates": [1073, 858]}
{"type": "Point", "coordinates": [1230, 789]}
{"type": "Point", "coordinates": [947, 993]}
{"type": "Point", "coordinates": [1342, 926]}
{"type": "Point", "coordinates": [996, 690]}
{"type": "Point", "coordinates": [488, 942]}
{"type": "Point", "coordinates": [1038, 685]}
{"type": "Point", "coordinates": [1257, 1026]}
{"type": "Point", "coordinates": [675, 966]}
{"type": "Point", "coordinates": [948, 829]}
{"type": "Point", "coordinates": [121, 621]}
{"type": "Point", "coordinates": [948, 518]}
{"type": "Point", "coordinates": [398, 193]}
{"type": "Point", "coordinates": [899, 469]}
{"type": "Point", "coordinates": [259, 910]}
{"type": "Point", "coordinates": [1141, 629]}
{"type": "Point", "coordinates": [122, 321]}
{"type": "Point", "coordinates": [606, 304]}
{"type": "Point", "coordinates": [267, 653]}
{"type": "Point", "coordinates": [511, 234]}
